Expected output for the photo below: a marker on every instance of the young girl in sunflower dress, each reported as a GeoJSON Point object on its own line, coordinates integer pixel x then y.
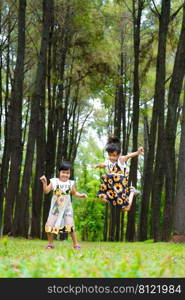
{"type": "Point", "coordinates": [114, 184]}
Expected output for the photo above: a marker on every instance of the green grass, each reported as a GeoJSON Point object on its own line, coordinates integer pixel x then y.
{"type": "Point", "coordinates": [29, 259]}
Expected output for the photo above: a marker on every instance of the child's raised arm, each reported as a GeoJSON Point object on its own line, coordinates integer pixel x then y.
{"type": "Point", "coordinates": [77, 194]}
{"type": "Point", "coordinates": [131, 155]}
{"type": "Point", "coordinates": [46, 187]}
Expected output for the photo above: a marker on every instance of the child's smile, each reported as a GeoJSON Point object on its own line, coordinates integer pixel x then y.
{"type": "Point", "coordinates": [64, 175]}
{"type": "Point", "coordinates": [113, 156]}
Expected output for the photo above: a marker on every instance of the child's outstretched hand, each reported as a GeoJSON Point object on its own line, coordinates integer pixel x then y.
{"type": "Point", "coordinates": [101, 165]}
{"type": "Point", "coordinates": [103, 199]}
{"type": "Point", "coordinates": [83, 196]}
{"type": "Point", "coordinates": [140, 150]}
{"type": "Point", "coordinates": [43, 179]}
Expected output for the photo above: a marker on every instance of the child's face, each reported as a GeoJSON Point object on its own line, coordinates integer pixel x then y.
{"type": "Point", "coordinates": [64, 175]}
{"type": "Point", "coordinates": [113, 156]}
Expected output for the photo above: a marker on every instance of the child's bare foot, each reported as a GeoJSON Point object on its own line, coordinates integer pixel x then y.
{"type": "Point", "coordinates": [136, 192]}
{"type": "Point", "coordinates": [126, 208]}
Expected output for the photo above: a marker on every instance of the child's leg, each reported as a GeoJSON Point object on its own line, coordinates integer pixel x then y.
{"type": "Point", "coordinates": [50, 238]}
{"type": "Point", "coordinates": [74, 238]}
{"type": "Point", "coordinates": [130, 200]}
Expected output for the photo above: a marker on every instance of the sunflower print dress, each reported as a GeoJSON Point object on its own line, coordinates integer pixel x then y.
{"type": "Point", "coordinates": [114, 184]}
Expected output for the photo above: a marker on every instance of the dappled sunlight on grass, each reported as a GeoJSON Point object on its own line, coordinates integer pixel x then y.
{"type": "Point", "coordinates": [29, 258]}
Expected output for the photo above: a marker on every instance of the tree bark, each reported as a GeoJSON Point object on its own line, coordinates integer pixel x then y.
{"type": "Point", "coordinates": [105, 228]}
{"type": "Point", "coordinates": [6, 150]}
{"type": "Point", "coordinates": [1, 97]}
{"type": "Point", "coordinates": [159, 93]}
{"type": "Point", "coordinates": [171, 129]}
{"type": "Point", "coordinates": [137, 12]}
{"type": "Point", "coordinates": [159, 161]}
{"type": "Point", "coordinates": [66, 36]}
{"type": "Point", "coordinates": [51, 139]}
{"type": "Point", "coordinates": [112, 225]}
{"type": "Point", "coordinates": [179, 207]}
{"type": "Point", "coordinates": [16, 123]}
{"type": "Point", "coordinates": [40, 141]}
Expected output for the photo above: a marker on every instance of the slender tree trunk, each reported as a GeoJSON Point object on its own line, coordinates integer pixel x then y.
{"type": "Point", "coordinates": [50, 147]}
{"type": "Point", "coordinates": [112, 223]}
{"type": "Point", "coordinates": [1, 65]}
{"type": "Point", "coordinates": [122, 226]}
{"type": "Point", "coordinates": [179, 207]}
{"type": "Point", "coordinates": [159, 93]}
{"type": "Point", "coordinates": [159, 161]}
{"type": "Point", "coordinates": [130, 233]}
{"type": "Point", "coordinates": [16, 123]}
{"type": "Point", "coordinates": [124, 133]}
{"type": "Point", "coordinates": [118, 105]}
{"type": "Point", "coordinates": [105, 230]}
{"type": "Point", "coordinates": [66, 36]}
{"type": "Point", "coordinates": [66, 120]}
{"type": "Point", "coordinates": [73, 127]}
{"type": "Point", "coordinates": [1, 110]}
{"type": "Point", "coordinates": [6, 150]}
{"type": "Point", "coordinates": [171, 129]}
{"type": "Point", "coordinates": [118, 227]}
{"type": "Point", "coordinates": [40, 141]}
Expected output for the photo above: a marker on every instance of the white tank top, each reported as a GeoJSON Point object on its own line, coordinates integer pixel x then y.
{"type": "Point", "coordinates": [110, 165]}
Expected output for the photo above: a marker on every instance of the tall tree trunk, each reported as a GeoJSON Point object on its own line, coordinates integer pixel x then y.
{"type": "Point", "coordinates": [66, 120]}
{"type": "Point", "coordinates": [73, 136]}
{"type": "Point", "coordinates": [159, 90]}
{"type": "Point", "coordinates": [66, 36]}
{"type": "Point", "coordinates": [124, 132]}
{"type": "Point", "coordinates": [171, 128]}
{"type": "Point", "coordinates": [122, 226]}
{"type": "Point", "coordinates": [112, 224]}
{"type": "Point", "coordinates": [105, 228]}
{"type": "Point", "coordinates": [51, 140]}
{"type": "Point", "coordinates": [137, 12]}
{"type": "Point", "coordinates": [40, 141]}
{"type": "Point", "coordinates": [118, 110]}
{"type": "Point", "coordinates": [16, 123]}
{"type": "Point", "coordinates": [1, 110]}
{"type": "Point", "coordinates": [118, 225]}
{"type": "Point", "coordinates": [159, 161]}
{"type": "Point", "coordinates": [117, 114]}
{"type": "Point", "coordinates": [179, 208]}
{"type": "Point", "coordinates": [1, 98]}
{"type": "Point", "coordinates": [6, 151]}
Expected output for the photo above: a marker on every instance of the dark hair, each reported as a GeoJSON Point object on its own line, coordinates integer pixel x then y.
{"type": "Point", "coordinates": [113, 144]}
{"type": "Point", "coordinates": [65, 165]}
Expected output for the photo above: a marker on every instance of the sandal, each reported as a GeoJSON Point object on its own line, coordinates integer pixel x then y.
{"type": "Point", "coordinates": [49, 246]}
{"type": "Point", "coordinates": [77, 246]}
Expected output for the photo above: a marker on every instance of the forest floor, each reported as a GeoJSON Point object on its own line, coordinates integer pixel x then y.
{"type": "Point", "coordinates": [21, 258]}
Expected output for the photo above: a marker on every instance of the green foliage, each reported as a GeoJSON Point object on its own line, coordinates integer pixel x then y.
{"type": "Point", "coordinates": [30, 259]}
{"type": "Point", "coordinates": [89, 213]}
{"type": "Point", "coordinates": [89, 220]}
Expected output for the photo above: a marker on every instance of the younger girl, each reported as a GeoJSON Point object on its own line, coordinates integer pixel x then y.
{"type": "Point", "coordinates": [114, 184]}
{"type": "Point", "coordinates": [61, 211]}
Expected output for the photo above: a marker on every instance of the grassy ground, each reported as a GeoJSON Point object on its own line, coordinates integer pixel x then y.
{"type": "Point", "coordinates": [29, 259]}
